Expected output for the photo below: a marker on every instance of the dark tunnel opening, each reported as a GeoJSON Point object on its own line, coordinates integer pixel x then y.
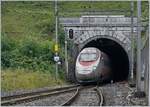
{"type": "Point", "coordinates": [117, 54]}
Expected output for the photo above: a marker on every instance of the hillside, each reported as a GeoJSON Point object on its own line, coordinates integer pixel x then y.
{"type": "Point", "coordinates": [37, 18]}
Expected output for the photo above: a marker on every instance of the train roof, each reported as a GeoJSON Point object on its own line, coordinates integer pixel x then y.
{"type": "Point", "coordinates": [89, 50]}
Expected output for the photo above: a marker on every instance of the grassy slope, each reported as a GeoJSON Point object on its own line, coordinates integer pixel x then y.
{"type": "Point", "coordinates": [21, 20]}
{"type": "Point", "coordinates": [36, 19]}
{"type": "Point", "coordinates": [23, 79]}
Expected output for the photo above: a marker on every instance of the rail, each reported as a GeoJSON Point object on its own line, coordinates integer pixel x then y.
{"type": "Point", "coordinates": [15, 99]}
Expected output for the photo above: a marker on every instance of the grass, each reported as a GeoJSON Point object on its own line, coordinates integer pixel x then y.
{"type": "Point", "coordinates": [36, 19]}
{"type": "Point", "coordinates": [15, 79]}
{"type": "Point", "coordinates": [23, 19]}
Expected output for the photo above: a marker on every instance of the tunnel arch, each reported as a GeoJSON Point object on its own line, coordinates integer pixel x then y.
{"type": "Point", "coordinates": [117, 52]}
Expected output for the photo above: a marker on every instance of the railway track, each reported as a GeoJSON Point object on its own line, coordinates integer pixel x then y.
{"type": "Point", "coordinates": [76, 91]}
{"type": "Point", "coordinates": [73, 98]}
{"type": "Point", "coordinates": [27, 97]}
{"type": "Point", "coordinates": [100, 96]}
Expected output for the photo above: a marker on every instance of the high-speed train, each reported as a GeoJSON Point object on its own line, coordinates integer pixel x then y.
{"type": "Point", "coordinates": [92, 65]}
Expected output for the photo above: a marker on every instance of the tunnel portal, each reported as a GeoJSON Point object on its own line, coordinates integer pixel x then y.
{"type": "Point", "coordinates": [117, 54]}
{"type": "Point", "coordinates": [111, 34]}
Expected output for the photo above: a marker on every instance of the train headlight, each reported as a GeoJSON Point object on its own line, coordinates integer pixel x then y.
{"type": "Point", "coordinates": [94, 68]}
{"type": "Point", "coordinates": [77, 68]}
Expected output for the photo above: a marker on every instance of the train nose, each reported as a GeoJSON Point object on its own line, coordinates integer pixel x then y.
{"type": "Point", "coordinates": [83, 70]}
{"type": "Point", "coordinates": [85, 76]}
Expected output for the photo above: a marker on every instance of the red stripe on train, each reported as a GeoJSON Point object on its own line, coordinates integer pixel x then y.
{"type": "Point", "coordinates": [87, 63]}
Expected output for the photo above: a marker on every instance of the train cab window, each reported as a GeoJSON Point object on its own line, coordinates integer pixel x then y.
{"type": "Point", "coordinates": [88, 57]}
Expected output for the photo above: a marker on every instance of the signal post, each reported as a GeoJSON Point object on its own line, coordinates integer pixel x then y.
{"type": "Point", "coordinates": [56, 57]}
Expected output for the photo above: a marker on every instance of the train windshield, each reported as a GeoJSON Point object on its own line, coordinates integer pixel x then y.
{"type": "Point", "coordinates": [88, 57]}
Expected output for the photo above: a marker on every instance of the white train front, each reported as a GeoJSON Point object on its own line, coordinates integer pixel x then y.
{"type": "Point", "coordinates": [92, 65]}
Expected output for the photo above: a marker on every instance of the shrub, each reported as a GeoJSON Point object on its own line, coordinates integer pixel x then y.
{"type": "Point", "coordinates": [29, 54]}
{"type": "Point", "coordinates": [7, 43]}
{"type": "Point", "coordinates": [5, 59]}
{"type": "Point", "coordinates": [29, 47]}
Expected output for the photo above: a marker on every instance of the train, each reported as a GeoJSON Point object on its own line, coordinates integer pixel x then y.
{"type": "Point", "coordinates": [92, 66]}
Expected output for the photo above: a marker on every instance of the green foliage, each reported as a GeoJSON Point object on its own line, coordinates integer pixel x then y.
{"type": "Point", "coordinates": [61, 37]}
{"type": "Point", "coordinates": [6, 43]}
{"type": "Point", "coordinates": [30, 54]}
{"type": "Point", "coordinates": [46, 26]}
{"type": "Point", "coordinates": [5, 59]}
{"type": "Point", "coordinates": [30, 48]}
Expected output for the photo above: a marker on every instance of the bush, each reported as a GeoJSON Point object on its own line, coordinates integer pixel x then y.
{"type": "Point", "coordinates": [29, 54]}
{"type": "Point", "coordinates": [61, 37]}
{"type": "Point", "coordinates": [7, 43]}
{"type": "Point", "coordinates": [5, 59]}
{"type": "Point", "coordinates": [29, 47]}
